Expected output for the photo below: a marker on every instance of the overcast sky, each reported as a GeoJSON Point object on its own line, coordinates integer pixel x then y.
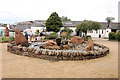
{"type": "Point", "coordinates": [12, 11]}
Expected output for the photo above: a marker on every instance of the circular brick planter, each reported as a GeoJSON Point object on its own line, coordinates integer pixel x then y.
{"type": "Point", "coordinates": [56, 55]}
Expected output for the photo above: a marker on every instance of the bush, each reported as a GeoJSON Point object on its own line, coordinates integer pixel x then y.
{"type": "Point", "coordinates": [112, 36]}
{"type": "Point", "coordinates": [86, 37]}
{"type": "Point", "coordinates": [54, 33]}
{"type": "Point", "coordinates": [117, 36]}
{"type": "Point", "coordinates": [4, 39]}
{"type": "Point", "coordinates": [52, 36]}
{"type": "Point", "coordinates": [64, 34]}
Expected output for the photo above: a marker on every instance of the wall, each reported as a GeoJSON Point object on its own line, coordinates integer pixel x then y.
{"type": "Point", "coordinates": [35, 28]}
{"type": "Point", "coordinates": [103, 32]}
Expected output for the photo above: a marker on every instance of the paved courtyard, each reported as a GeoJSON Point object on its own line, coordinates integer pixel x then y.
{"type": "Point", "coordinates": [15, 66]}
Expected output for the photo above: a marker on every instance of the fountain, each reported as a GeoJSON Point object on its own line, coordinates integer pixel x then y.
{"type": "Point", "coordinates": [75, 49]}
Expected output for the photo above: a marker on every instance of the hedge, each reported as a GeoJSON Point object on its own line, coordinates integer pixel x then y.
{"type": "Point", "coordinates": [114, 36]}
{"type": "Point", "coordinates": [117, 36]}
{"type": "Point", "coordinates": [5, 39]}
{"type": "Point", "coordinates": [52, 36]}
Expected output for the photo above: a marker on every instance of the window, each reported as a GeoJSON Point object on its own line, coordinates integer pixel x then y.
{"type": "Point", "coordinates": [68, 23]}
{"type": "Point", "coordinates": [102, 31]}
{"type": "Point", "coordinates": [90, 31]}
{"type": "Point", "coordinates": [96, 32]}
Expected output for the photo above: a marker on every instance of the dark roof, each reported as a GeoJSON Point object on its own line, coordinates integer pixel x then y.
{"type": "Point", "coordinates": [12, 27]}
{"type": "Point", "coordinates": [24, 25]}
{"type": "Point", "coordinates": [39, 23]}
{"type": "Point", "coordinates": [70, 23]}
{"type": "Point", "coordinates": [2, 25]}
{"type": "Point", "coordinates": [113, 25]}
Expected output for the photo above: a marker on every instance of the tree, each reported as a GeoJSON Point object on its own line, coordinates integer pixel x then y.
{"type": "Point", "coordinates": [109, 20]}
{"type": "Point", "coordinates": [53, 23]}
{"type": "Point", "coordinates": [87, 25]}
{"type": "Point", "coordinates": [63, 18]}
{"type": "Point", "coordinates": [66, 29]}
{"type": "Point", "coordinates": [84, 26]}
{"type": "Point", "coordinates": [96, 26]}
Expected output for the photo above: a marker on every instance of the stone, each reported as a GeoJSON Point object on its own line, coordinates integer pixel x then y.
{"type": "Point", "coordinates": [85, 53]}
{"type": "Point", "coordinates": [19, 45]}
{"type": "Point", "coordinates": [76, 40]}
{"type": "Point", "coordinates": [20, 38]}
{"type": "Point", "coordinates": [96, 47]}
{"type": "Point", "coordinates": [50, 43]}
{"type": "Point", "coordinates": [6, 31]}
{"type": "Point", "coordinates": [66, 47]}
{"type": "Point", "coordinates": [15, 47]}
{"type": "Point", "coordinates": [49, 53]}
{"type": "Point", "coordinates": [25, 54]}
{"type": "Point", "coordinates": [20, 48]}
{"type": "Point", "coordinates": [9, 44]}
{"type": "Point", "coordinates": [43, 52]}
{"type": "Point", "coordinates": [24, 49]}
{"type": "Point", "coordinates": [89, 46]}
{"type": "Point", "coordinates": [30, 49]}
{"type": "Point", "coordinates": [64, 42]}
{"type": "Point", "coordinates": [37, 51]}
{"type": "Point", "coordinates": [17, 52]}
{"type": "Point", "coordinates": [52, 47]}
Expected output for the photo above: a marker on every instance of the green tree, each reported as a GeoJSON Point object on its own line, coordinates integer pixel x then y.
{"type": "Point", "coordinates": [66, 29]}
{"type": "Point", "coordinates": [53, 23]}
{"type": "Point", "coordinates": [87, 25]}
{"type": "Point", "coordinates": [96, 26]}
{"type": "Point", "coordinates": [63, 18]}
{"type": "Point", "coordinates": [109, 20]}
{"type": "Point", "coordinates": [83, 27]}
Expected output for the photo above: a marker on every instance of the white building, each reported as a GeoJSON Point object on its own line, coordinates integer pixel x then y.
{"type": "Point", "coordinates": [103, 32]}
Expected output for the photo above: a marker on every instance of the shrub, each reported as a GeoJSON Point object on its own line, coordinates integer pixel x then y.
{"type": "Point", "coordinates": [86, 37]}
{"type": "Point", "coordinates": [64, 34]}
{"type": "Point", "coordinates": [52, 36]}
{"type": "Point", "coordinates": [112, 36]}
{"type": "Point", "coordinates": [54, 33]}
{"type": "Point", "coordinates": [117, 36]}
{"type": "Point", "coordinates": [4, 39]}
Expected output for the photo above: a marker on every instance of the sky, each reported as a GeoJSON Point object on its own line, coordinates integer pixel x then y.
{"type": "Point", "coordinates": [13, 11]}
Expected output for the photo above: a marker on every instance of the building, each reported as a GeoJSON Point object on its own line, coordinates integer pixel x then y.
{"type": "Point", "coordinates": [24, 25]}
{"type": "Point", "coordinates": [2, 29]}
{"type": "Point", "coordinates": [40, 25]}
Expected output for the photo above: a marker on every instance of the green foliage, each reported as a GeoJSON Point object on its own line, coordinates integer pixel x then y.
{"type": "Point", "coordinates": [66, 29]}
{"type": "Point", "coordinates": [86, 37]}
{"type": "Point", "coordinates": [117, 36]}
{"type": "Point", "coordinates": [53, 23]}
{"type": "Point", "coordinates": [63, 18]}
{"type": "Point", "coordinates": [112, 36]}
{"type": "Point", "coordinates": [52, 36]}
{"type": "Point", "coordinates": [4, 39]}
{"type": "Point", "coordinates": [54, 33]}
{"type": "Point", "coordinates": [96, 26]}
{"type": "Point", "coordinates": [109, 20]}
{"type": "Point", "coordinates": [84, 26]}
{"type": "Point", "coordinates": [87, 25]}
{"type": "Point", "coordinates": [64, 34]}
